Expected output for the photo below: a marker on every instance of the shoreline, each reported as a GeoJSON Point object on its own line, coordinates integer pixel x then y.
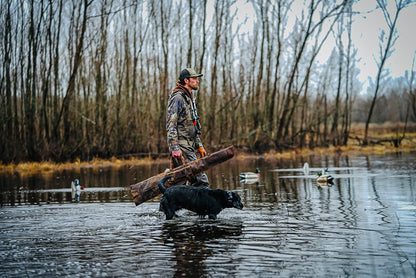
{"type": "Point", "coordinates": [47, 167]}
{"type": "Point", "coordinates": [381, 139]}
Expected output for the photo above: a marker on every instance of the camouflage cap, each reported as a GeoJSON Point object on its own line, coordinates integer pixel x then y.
{"type": "Point", "coordinates": [188, 73]}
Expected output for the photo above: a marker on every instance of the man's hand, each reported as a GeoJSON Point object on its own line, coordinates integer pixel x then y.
{"type": "Point", "coordinates": [177, 153]}
{"type": "Point", "coordinates": [202, 151]}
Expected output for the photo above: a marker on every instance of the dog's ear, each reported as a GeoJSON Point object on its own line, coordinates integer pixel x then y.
{"type": "Point", "coordinates": [230, 196]}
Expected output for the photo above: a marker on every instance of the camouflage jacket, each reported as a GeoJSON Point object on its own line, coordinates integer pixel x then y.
{"type": "Point", "coordinates": [179, 122]}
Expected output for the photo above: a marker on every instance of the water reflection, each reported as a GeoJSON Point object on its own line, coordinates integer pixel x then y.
{"type": "Point", "coordinates": [361, 226]}
{"type": "Point", "coordinates": [192, 243]}
{"type": "Point", "coordinates": [102, 184]}
{"type": "Point", "coordinates": [41, 196]}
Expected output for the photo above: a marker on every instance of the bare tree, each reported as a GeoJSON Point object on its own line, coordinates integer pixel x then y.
{"type": "Point", "coordinates": [80, 79]}
{"type": "Point", "coordinates": [204, 37]}
{"type": "Point", "coordinates": [280, 12]}
{"type": "Point", "coordinates": [64, 112]}
{"type": "Point", "coordinates": [411, 78]}
{"type": "Point", "coordinates": [385, 46]}
{"type": "Point", "coordinates": [218, 21]}
{"type": "Point", "coordinates": [6, 114]}
{"type": "Point", "coordinates": [190, 33]}
{"type": "Point", "coordinates": [348, 80]}
{"type": "Point", "coordinates": [306, 29]}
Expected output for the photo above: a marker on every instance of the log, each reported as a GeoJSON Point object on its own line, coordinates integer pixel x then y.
{"type": "Point", "coordinates": [147, 189]}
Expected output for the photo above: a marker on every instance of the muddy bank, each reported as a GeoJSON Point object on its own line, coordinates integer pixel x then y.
{"type": "Point", "coordinates": [48, 167]}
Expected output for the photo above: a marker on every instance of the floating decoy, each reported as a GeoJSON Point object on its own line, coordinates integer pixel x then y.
{"type": "Point", "coordinates": [324, 177]}
{"type": "Point", "coordinates": [306, 168]}
{"type": "Point", "coordinates": [76, 190]}
{"type": "Point", "coordinates": [251, 175]}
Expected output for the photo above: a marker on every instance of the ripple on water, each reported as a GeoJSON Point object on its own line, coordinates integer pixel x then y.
{"type": "Point", "coordinates": [361, 227]}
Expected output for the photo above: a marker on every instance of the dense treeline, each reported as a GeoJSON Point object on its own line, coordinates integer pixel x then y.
{"type": "Point", "coordinates": [90, 78]}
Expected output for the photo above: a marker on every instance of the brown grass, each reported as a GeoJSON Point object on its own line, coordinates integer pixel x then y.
{"type": "Point", "coordinates": [387, 131]}
{"type": "Point", "coordinates": [377, 132]}
{"type": "Point", "coordinates": [47, 167]}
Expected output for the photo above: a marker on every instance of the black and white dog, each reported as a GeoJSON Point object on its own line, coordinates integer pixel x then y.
{"type": "Point", "coordinates": [201, 200]}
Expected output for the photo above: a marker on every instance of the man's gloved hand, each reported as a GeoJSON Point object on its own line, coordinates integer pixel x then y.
{"type": "Point", "coordinates": [202, 151]}
{"type": "Point", "coordinates": [177, 153]}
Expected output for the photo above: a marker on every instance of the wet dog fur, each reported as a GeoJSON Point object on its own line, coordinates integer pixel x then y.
{"type": "Point", "coordinates": [201, 200]}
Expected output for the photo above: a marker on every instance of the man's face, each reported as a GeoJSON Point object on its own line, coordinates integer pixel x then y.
{"type": "Point", "coordinates": [192, 83]}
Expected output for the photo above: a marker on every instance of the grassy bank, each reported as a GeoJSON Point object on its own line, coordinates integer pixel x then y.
{"type": "Point", "coordinates": [381, 141]}
{"type": "Point", "coordinates": [46, 167]}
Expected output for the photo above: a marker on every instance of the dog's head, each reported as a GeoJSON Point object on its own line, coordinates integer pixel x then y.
{"type": "Point", "coordinates": [234, 200]}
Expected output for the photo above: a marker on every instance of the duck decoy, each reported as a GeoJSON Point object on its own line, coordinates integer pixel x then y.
{"type": "Point", "coordinates": [251, 175]}
{"type": "Point", "coordinates": [306, 168]}
{"type": "Point", "coordinates": [323, 176]}
{"type": "Point", "coordinates": [76, 190]}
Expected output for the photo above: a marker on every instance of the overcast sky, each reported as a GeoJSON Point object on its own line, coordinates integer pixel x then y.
{"type": "Point", "coordinates": [365, 34]}
{"type": "Point", "coordinates": [366, 30]}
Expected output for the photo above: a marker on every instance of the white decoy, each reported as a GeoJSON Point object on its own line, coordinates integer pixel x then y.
{"type": "Point", "coordinates": [76, 190]}
{"type": "Point", "coordinates": [306, 168]}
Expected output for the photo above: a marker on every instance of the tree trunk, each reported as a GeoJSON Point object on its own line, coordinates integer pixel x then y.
{"type": "Point", "coordinates": [64, 112]}
{"type": "Point", "coordinates": [384, 55]}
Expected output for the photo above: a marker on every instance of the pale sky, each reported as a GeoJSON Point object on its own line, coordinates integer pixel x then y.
{"type": "Point", "coordinates": [366, 30]}
{"type": "Point", "coordinates": [365, 35]}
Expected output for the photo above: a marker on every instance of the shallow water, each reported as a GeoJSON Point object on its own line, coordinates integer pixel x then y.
{"type": "Point", "coordinates": [362, 226]}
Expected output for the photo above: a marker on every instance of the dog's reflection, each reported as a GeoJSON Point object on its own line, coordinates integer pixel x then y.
{"type": "Point", "coordinates": [191, 242]}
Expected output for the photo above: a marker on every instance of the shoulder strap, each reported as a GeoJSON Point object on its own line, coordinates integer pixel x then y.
{"type": "Point", "coordinates": [195, 117]}
{"type": "Point", "coordinates": [184, 96]}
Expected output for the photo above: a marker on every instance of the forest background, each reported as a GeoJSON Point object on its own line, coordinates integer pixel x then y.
{"type": "Point", "coordinates": [91, 78]}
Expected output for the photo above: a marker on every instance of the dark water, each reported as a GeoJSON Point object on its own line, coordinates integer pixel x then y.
{"type": "Point", "coordinates": [362, 226]}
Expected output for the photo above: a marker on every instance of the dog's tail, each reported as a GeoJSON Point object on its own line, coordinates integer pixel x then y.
{"type": "Point", "coordinates": [160, 184]}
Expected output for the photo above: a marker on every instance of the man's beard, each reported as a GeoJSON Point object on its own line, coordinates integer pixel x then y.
{"type": "Point", "coordinates": [195, 87]}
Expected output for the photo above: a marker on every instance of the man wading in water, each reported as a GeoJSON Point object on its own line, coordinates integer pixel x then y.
{"type": "Point", "coordinates": [182, 124]}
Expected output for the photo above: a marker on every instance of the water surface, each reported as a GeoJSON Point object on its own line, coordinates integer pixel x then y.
{"type": "Point", "coordinates": [361, 226]}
